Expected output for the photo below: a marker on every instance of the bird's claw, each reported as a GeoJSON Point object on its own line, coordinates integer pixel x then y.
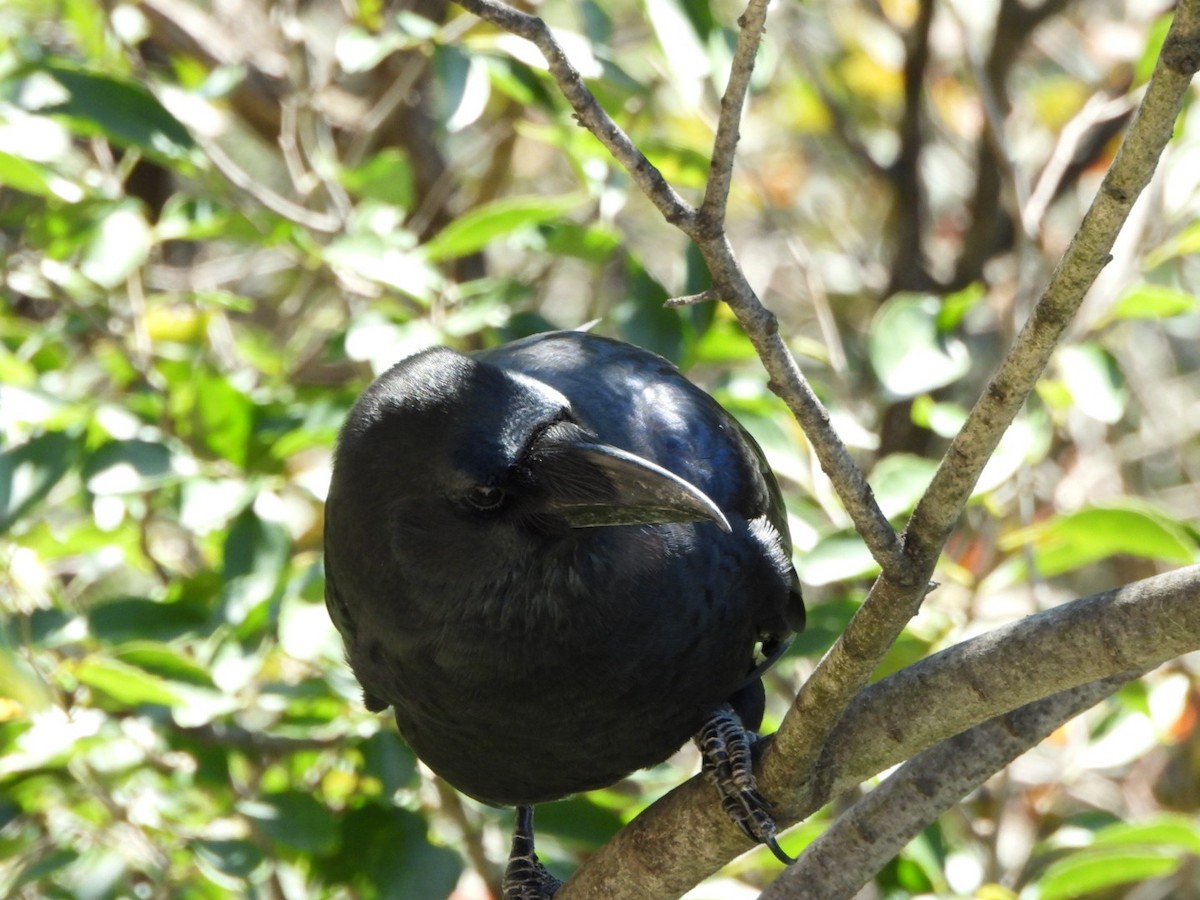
{"type": "Point", "coordinates": [526, 878]}
{"type": "Point", "coordinates": [728, 763]}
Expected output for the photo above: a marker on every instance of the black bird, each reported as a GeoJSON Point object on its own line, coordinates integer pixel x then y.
{"type": "Point", "coordinates": [556, 561]}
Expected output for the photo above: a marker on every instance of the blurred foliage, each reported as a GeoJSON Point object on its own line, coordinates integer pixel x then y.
{"type": "Point", "coordinates": [217, 223]}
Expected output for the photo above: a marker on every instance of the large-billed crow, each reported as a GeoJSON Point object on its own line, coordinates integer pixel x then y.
{"type": "Point", "coordinates": [556, 561]}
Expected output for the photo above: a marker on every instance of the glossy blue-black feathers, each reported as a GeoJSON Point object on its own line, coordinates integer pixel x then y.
{"type": "Point", "coordinates": [529, 646]}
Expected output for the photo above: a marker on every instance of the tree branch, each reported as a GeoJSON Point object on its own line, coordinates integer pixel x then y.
{"type": "Point", "coordinates": [753, 23]}
{"type": "Point", "coordinates": [864, 838]}
{"type": "Point", "coordinates": [588, 110]}
{"type": "Point", "coordinates": [897, 594]}
{"type": "Point", "coordinates": [832, 739]}
{"type": "Point", "coordinates": [760, 325]}
{"type": "Point", "coordinates": [684, 837]}
{"type": "Point", "coordinates": [908, 261]}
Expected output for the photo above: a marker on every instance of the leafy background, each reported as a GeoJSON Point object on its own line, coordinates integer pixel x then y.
{"type": "Point", "coordinates": [216, 224]}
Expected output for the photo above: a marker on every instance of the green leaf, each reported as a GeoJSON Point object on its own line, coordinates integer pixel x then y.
{"type": "Point", "coordinates": [119, 244]}
{"type": "Point", "coordinates": [909, 352]}
{"type": "Point", "coordinates": [1094, 869]}
{"type": "Point", "coordinates": [35, 178]}
{"type": "Point", "coordinates": [474, 230]}
{"type": "Point", "coordinates": [579, 821]}
{"type": "Point", "coordinates": [43, 866]}
{"type": "Point", "coordinates": [1151, 301]}
{"type": "Point", "coordinates": [1162, 831]}
{"type": "Point", "coordinates": [899, 480]}
{"type": "Point", "coordinates": [389, 759]}
{"type": "Point", "coordinates": [643, 318]}
{"type": "Point", "coordinates": [836, 558]}
{"type": "Point", "coordinates": [132, 618]}
{"type": "Point", "coordinates": [1026, 441]}
{"type": "Point", "coordinates": [1074, 540]}
{"type": "Point", "coordinates": [384, 851]}
{"type": "Point", "coordinates": [724, 343]}
{"type": "Point", "coordinates": [1095, 383]}
{"type": "Point", "coordinates": [294, 819]}
{"type": "Point", "coordinates": [1186, 242]}
{"type": "Point", "coordinates": [123, 111]}
{"type": "Point", "coordinates": [127, 685]}
{"type": "Point", "coordinates": [954, 307]}
{"type": "Point", "coordinates": [30, 470]}
{"type": "Point", "coordinates": [163, 662]}
{"type": "Point", "coordinates": [592, 242]}
{"type": "Point", "coordinates": [225, 417]}
{"type": "Point", "coordinates": [237, 858]}
{"type": "Point", "coordinates": [256, 554]}
{"type": "Point", "coordinates": [387, 176]}
{"type": "Point", "coordinates": [120, 467]}
{"type": "Point", "coordinates": [383, 261]}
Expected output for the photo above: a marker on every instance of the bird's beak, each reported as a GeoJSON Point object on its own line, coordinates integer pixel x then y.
{"type": "Point", "coordinates": [594, 484]}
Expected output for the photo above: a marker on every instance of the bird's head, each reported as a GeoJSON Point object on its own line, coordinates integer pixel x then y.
{"type": "Point", "coordinates": [461, 463]}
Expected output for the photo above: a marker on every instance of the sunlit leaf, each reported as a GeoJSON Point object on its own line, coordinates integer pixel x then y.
{"type": "Point", "coordinates": [119, 244]}
{"type": "Point", "coordinates": [909, 354]}
{"type": "Point", "coordinates": [124, 466]}
{"type": "Point", "coordinates": [35, 178]}
{"type": "Point", "coordinates": [380, 260]}
{"type": "Point", "coordinates": [126, 684]}
{"type": "Point", "coordinates": [224, 417]}
{"type": "Point", "coordinates": [899, 480]}
{"type": "Point", "coordinates": [1073, 540]}
{"type": "Point", "coordinates": [237, 858]}
{"type": "Point", "coordinates": [476, 229]}
{"type": "Point", "coordinates": [1181, 832]}
{"type": "Point", "coordinates": [164, 662]}
{"type": "Point", "coordinates": [1152, 301]}
{"type": "Point", "coordinates": [29, 471]}
{"type": "Point", "coordinates": [836, 558]}
{"type": "Point", "coordinates": [385, 176]}
{"type": "Point", "coordinates": [1091, 870]}
{"type": "Point", "coordinates": [1095, 383]}
{"type": "Point", "coordinates": [255, 554]}
{"type": "Point", "coordinates": [123, 111]}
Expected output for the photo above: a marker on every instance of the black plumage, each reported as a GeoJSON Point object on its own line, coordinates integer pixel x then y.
{"type": "Point", "coordinates": [554, 560]}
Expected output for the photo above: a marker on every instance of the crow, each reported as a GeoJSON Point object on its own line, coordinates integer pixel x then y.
{"type": "Point", "coordinates": [556, 561]}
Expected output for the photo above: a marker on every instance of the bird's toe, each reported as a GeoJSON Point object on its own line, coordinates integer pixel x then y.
{"type": "Point", "coordinates": [725, 748]}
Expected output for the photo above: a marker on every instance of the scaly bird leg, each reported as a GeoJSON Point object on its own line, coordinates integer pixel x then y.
{"type": "Point", "coordinates": [526, 878]}
{"type": "Point", "coordinates": [727, 762]}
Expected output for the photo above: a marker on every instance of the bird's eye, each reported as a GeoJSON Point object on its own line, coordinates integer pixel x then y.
{"type": "Point", "coordinates": [485, 496]}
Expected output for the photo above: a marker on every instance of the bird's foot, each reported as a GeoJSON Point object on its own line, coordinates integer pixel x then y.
{"type": "Point", "coordinates": [526, 878]}
{"type": "Point", "coordinates": [727, 762]}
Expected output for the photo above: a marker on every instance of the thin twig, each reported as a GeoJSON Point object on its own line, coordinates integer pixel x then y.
{"type": "Point", "coordinates": [752, 23]}
{"type": "Point", "coordinates": [276, 203]}
{"type": "Point", "coordinates": [588, 110]}
{"type": "Point", "coordinates": [706, 296]}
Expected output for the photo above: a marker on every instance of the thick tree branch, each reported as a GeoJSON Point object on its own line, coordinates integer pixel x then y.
{"type": "Point", "coordinates": [864, 838]}
{"type": "Point", "coordinates": [684, 837]}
